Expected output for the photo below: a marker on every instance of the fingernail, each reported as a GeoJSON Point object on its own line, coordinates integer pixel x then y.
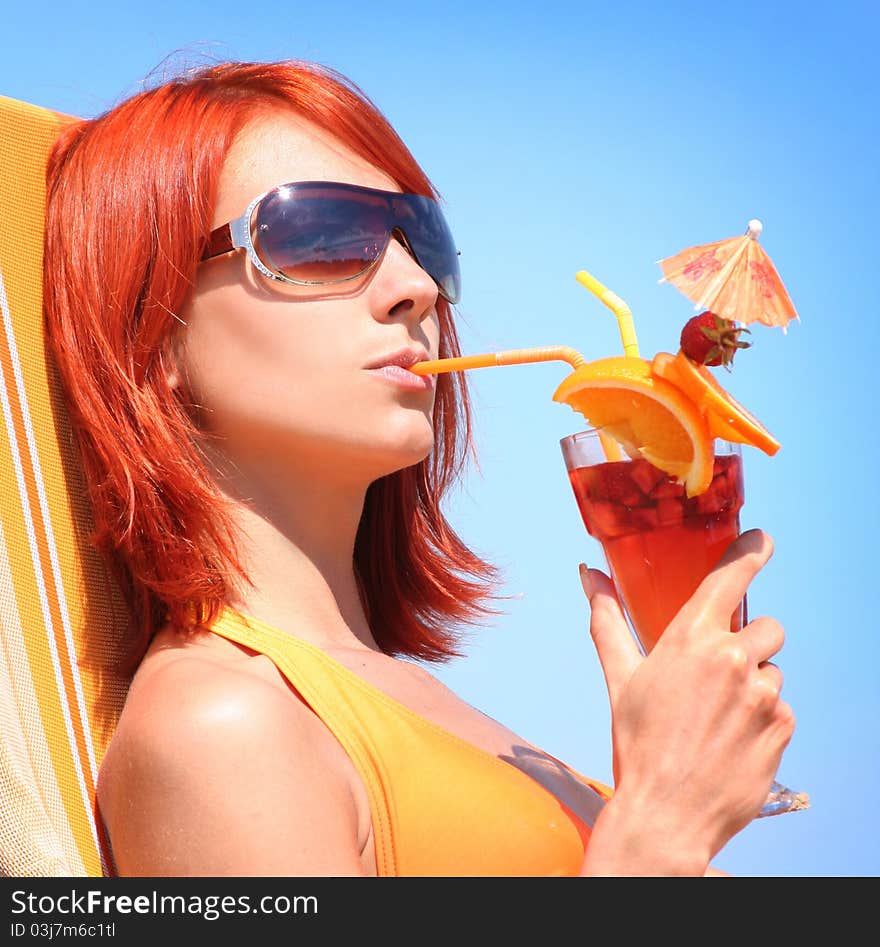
{"type": "Point", "coordinates": [586, 582]}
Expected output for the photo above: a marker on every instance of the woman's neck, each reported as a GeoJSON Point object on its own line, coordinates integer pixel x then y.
{"type": "Point", "coordinates": [296, 534]}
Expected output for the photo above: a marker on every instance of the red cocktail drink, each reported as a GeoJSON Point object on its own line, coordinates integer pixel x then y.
{"type": "Point", "coordinates": [659, 543]}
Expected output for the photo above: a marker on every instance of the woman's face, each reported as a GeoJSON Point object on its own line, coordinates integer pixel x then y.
{"type": "Point", "coordinates": [283, 374]}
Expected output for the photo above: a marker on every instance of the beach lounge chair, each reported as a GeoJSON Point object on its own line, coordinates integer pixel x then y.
{"type": "Point", "coordinates": [62, 619]}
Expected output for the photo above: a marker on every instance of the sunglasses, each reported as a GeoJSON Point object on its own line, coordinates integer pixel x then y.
{"type": "Point", "coordinates": [313, 233]}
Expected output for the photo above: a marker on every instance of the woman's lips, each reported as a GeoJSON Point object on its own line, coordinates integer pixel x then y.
{"type": "Point", "coordinates": [403, 377]}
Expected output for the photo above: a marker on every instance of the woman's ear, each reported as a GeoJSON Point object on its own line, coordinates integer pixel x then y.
{"type": "Point", "coordinates": [172, 362]}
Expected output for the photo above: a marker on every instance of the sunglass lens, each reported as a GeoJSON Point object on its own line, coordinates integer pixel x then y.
{"type": "Point", "coordinates": [314, 238]}
{"type": "Point", "coordinates": [320, 233]}
{"type": "Point", "coordinates": [427, 232]}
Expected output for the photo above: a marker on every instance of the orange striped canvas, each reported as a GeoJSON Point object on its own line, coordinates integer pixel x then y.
{"type": "Point", "coordinates": [61, 617]}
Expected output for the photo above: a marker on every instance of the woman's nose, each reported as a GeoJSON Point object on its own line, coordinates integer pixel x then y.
{"type": "Point", "coordinates": [401, 286]}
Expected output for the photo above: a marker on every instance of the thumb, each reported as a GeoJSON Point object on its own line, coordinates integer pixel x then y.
{"type": "Point", "coordinates": [618, 652]}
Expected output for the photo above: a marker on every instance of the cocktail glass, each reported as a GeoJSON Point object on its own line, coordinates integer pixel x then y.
{"type": "Point", "coordinates": [659, 543]}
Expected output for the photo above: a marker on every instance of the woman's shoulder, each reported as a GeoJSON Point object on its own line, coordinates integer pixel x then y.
{"type": "Point", "coordinates": [190, 710]}
{"type": "Point", "coordinates": [184, 692]}
{"type": "Point", "coordinates": [208, 733]}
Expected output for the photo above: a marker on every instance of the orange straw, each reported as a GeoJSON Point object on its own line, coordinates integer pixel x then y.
{"type": "Point", "coordinates": [548, 353]}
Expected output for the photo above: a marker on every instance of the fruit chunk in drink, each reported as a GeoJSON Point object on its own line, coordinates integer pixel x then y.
{"type": "Point", "coordinates": [659, 542]}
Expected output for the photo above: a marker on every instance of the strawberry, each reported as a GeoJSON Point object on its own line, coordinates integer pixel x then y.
{"type": "Point", "coordinates": [711, 340]}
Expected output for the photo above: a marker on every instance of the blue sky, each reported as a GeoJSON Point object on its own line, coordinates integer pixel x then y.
{"type": "Point", "coordinates": [604, 137]}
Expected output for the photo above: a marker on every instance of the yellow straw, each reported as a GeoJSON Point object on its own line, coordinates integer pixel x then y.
{"type": "Point", "coordinates": [618, 307]}
{"type": "Point", "coordinates": [609, 446]}
{"type": "Point", "coordinates": [548, 353]}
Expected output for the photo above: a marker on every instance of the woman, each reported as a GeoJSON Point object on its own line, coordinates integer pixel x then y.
{"type": "Point", "coordinates": [240, 266]}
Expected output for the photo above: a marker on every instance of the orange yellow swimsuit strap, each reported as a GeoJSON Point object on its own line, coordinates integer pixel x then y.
{"type": "Point", "coordinates": [439, 805]}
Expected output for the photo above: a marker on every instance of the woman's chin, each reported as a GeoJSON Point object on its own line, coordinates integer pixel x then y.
{"type": "Point", "coordinates": [388, 458]}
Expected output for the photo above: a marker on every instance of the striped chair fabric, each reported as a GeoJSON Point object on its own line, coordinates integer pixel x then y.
{"type": "Point", "coordinates": [62, 620]}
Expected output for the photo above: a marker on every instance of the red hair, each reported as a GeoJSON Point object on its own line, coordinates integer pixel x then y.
{"type": "Point", "coordinates": [130, 202]}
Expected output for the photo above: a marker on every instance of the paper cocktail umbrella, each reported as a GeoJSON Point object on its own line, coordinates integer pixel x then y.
{"type": "Point", "coordinates": [733, 278]}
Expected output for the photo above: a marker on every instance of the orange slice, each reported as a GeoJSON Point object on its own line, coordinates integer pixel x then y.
{"type": "Point", "coordinates": [725, 416]}
{"type": "Point", "coordinates": [648, 415]}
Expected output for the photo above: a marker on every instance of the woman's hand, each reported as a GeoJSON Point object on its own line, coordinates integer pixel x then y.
{"type": "Point", "coordinates": [698, 726]}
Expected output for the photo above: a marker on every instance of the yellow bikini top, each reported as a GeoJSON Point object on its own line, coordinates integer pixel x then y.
{"type": "Point", "coordinates": [439, 805]}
